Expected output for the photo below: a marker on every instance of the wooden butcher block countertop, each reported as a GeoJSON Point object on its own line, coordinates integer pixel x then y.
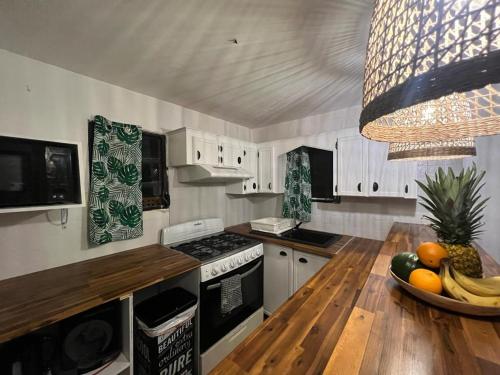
{"type": "Point", "coordinates": [352, 318]}
{"type": "Point", "coordinates": [35, 300]}
{"type": "Point", "coordinates": [330, 251]}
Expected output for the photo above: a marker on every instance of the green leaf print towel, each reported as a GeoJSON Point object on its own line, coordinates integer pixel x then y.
{"type": "Point", "coordinates": [115, 198]}
{"type": "Point", "coordinates": [297, 198]}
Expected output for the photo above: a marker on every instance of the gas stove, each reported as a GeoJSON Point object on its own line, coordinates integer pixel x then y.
{"type": "Point", "coordinates": [219, 252]}
{"type": "Point", "coordinates": [213, 247]}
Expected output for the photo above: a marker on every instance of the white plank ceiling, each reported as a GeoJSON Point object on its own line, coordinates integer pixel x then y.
{"type": "Point", "coordinates": [293, 58]}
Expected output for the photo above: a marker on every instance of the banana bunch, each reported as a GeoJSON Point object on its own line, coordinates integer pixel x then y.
{"type": "Point", "coordinates": [480, 292]}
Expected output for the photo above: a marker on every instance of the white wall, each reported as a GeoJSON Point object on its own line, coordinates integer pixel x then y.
{"type": "Point", "coordinates": [488, 158]}
{"type": "Point", "coordinates": [357, 216]}
{"type": "Point", "coordinates": [43, 101]}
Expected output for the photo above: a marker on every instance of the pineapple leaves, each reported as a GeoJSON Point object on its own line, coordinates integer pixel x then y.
{"type": "Point", "coordinates": [455, 204]}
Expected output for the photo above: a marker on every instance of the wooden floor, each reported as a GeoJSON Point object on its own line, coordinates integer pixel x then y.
{"type": "Point", "coordinates": [352, 318]}
{"type": "Point", "coordinates": [35, 300]}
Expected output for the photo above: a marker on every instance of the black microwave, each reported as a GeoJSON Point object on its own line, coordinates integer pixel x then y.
{"type": "Point", "coordinates": [38, 173]}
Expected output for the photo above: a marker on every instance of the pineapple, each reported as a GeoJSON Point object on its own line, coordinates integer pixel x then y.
{"type": "Point", "coordinates": [456, 207]}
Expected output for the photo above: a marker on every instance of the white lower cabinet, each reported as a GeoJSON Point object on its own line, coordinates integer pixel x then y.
{"type": "Point", "coordinates": [278, 276]}
{"type": "Point", "coordinates": [305, 266]}
{"type": "Point", "coordinates": [285, 271]}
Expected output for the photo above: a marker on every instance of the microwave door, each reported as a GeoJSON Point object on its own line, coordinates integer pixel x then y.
{"type": "Point", "coordinates": [20, 184]}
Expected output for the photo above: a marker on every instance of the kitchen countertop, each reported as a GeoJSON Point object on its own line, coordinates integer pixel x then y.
{"type": "Point", "coordinates": [352, 318]}
{"type": "Point", "coordinates": [38, 299]}
{"type": "Point", "coordinates": [330, 251]}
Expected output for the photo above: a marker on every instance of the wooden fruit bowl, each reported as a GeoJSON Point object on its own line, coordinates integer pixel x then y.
{"type": "Point", "coordinates": [446, 302]}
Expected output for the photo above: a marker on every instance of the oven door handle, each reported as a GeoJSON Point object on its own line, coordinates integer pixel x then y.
{"type": "Point", "coordinates": [243, 275]}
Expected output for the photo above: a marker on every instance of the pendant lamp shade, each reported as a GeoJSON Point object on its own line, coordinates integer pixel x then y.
{"type": "Point", "coordinates": [432, 71]}
{"type": "Point", "coordinates": [432, 150]}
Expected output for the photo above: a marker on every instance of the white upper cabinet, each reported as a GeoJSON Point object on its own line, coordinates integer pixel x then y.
{"type": "Point", "coordinates": [231, 152]}
{"type": "Point", "coordinates": [351, 165]}
{"type": "Point", "coordinates": [188, 146]}
{"type": "Point", "coordinates": [383, 176]}
{"type": "Point", "coordinates": [271, 169]}
{"type": "Point", "coordinates": [249, 164]}
{"type": "Point", "coordinates": [363, 170]}
{"type": "Point", "coordinates": [265, 167]}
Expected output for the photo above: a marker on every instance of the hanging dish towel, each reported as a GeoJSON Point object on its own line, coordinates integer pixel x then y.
{"type": "Point", "coordinates": [115, 198]}
{"type": "Point", "coordinates": [297, 197]}
{"type": "Point", "coordinates": [231, 296]}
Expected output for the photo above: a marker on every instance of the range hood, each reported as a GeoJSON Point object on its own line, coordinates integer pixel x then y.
{"type": "Point", "coordinates": [208, 173]}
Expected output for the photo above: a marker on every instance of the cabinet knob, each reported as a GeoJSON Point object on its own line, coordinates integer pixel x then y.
{"type": "Point", "coordinates": [375, 186]}
{"type": "Point", "coordinates": [244, 153]}
{"type": "Point", "coordinates": [239, 160]}
{"type": "Point", "coordinates": [336, 189]}
{"type": "Point", "coordinates": [254, 185]}
{"type": "Point", "coordinates": [244, 187]}
{"type": "Point", "coordinates": [198, 154]}
{"type": "Point", "coordinates": [269, 186]}
{"type": "Point", "coordinates": [302, 260]}
{"type": "Point", "coordinates": [406, 188]}
{"type": "Point", "coordinates": [221, 159]}
{"type": "Point", "coordinates": [359, 187]}
{"type": "Point", "coordinates": [282, 253]}
{"type": "Point", "coordinates": [221, 148]}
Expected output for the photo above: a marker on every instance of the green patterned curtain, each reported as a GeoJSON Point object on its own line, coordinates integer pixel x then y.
{"type": "Point", "coordinates": [115, 198]}
{"type": "Point", "coordinates": [297, 199]}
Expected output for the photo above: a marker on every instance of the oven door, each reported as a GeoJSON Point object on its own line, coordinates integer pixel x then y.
{"type": "Point", "coordinates": [214, 324]}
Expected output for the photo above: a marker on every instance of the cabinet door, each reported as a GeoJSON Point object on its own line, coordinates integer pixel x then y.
{"type": "Point", "coordinates": [278, 276]}
{"type": "Point", "coordinates": [409, 175]}
{"type": "Point", "coordinates": [204, 149]}
{"type": "Point", "coordinates": [211, 149]}
{"type": "Point", "coordinates": [351, 166]}
{"type": "Point", "coordinates": [266, 166]}
{"type": "Point", "coordinates": [305, 266]}
{"type": "Point", "coordinates": [383, 175]}
{"type": "Point", "coordinates": [198, 149]}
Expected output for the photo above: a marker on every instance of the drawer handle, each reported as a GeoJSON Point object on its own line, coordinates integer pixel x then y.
{"type": "Point", "coordinates": [375, 186]}
{"type": "Point", "coordinates": [283, 254]}
{"type": "Point", "coordinates": [359, 187]}
{"type": "Point", "coordinates": [198, 154]}
{"type": "Point", "coordinates": [406, 189]}
{"type": "Point", "coordinates": [302, 260]}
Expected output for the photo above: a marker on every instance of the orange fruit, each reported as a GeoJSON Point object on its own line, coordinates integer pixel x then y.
{"type": "Point", "coordinates": [431, 253]}
{"type": "Point", "coordinates": [426, 280]}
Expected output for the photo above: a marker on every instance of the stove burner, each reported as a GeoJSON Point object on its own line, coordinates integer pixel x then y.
{"type": "Point", "coordinates": [211, 247]}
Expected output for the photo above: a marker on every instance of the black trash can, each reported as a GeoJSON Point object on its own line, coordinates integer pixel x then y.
{"type": "Point", "coordinates": [164, 334]}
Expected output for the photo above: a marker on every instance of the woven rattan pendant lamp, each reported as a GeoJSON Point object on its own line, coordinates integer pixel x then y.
{"type": "Point", "coordinates": [425, 59]}
{"type": "Point", "coordinates": [435, 150]}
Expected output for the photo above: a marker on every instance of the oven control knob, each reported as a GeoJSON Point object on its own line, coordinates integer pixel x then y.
{"type": "Point", "coordinates": [253, 254]}
{"type": "Point", "coordinates": [247, 257]}
{"type": "Point", "coordinates": [232, 264]}
{"type": "Point", "coordinates": [240, 260]}
{"type": "Point", "coordinates": [223, 268]}
{"type": "Point", "coordinates": [214, 271]}
{"type": "Point", "coordinates": [258, 252]}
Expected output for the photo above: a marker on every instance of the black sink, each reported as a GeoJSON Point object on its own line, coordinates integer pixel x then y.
{"type": "Point", "coordinates": [305, 236]}
{"type": "Point", "coordinates": [310, 237]}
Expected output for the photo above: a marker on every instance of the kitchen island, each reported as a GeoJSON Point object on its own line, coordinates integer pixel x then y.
{"type": "Point", "coordinates": [352, 318]}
